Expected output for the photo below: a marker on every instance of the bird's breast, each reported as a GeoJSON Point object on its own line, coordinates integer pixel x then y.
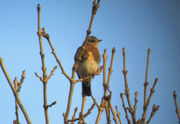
{"type": "Point", "coordinates": [87, 67]}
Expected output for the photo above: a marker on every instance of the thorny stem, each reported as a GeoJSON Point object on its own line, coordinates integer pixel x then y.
{"type": "Point", "coordinates": [14, 92]}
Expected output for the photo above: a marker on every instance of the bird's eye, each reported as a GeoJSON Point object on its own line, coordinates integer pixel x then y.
{"type": "Point", "coordinates": [92, 41]}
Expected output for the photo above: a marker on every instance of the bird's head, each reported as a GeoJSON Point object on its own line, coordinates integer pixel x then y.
{"type": "Point", "coordinates": [92, 40]}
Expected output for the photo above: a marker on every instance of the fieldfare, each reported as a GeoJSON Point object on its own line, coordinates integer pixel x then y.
{"type": "Point", "coordinates": [89, 63]}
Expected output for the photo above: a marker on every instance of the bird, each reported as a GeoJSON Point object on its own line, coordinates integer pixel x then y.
{"type": "Point", "coordinates": [89, 62]}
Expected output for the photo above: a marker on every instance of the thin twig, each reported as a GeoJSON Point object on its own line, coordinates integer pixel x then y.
{"type": "Point", "coordinates": [43, 67]}
{"type": "Point", "coordinates": [90, 76]}
{"type": "Point", "coordinates": [21, 81]}
{"type": "Point", "coordinates": [45, 35]}
{"type": "Point", "coordinates": [103, 102]}
{"type": "Point", "coordinates": [14, 92]}
{"type": "Point", "coordinates": [112, 110]}
{"type": "Point", "coordinates": [176, 105]}
{"type": "Point", "coordinates": [16, 103]}
{"type": "Point", "coordinates": [82, 109]}
{"type": "Point", "coordinates": [95, 102]}
{"type": "Point", "coordinates": [85, 115]}
{"type": "Point", "coordinates": [146, 83]}
{"type": "Point", "coordinates": [127, 92]}
{"type": "Point", "coordinates": [52, 73]}
{"type": "Point", "coordinates": [135, 104]}
{"type": "Point", "coordinates": [118, 115]}
{"type": "Point", "coordinates": [105, 87]}
{"type": "Point", "coordinates": [154, 110]}
{"type": "Point", "coordinates": [74, 115]}
{"type": "Point", "coordinates": [148, 101]}
{"type": "Point", "coordinates": [53, 103]}
{"type": "Point", "coordinates": [125, 109]}
{"type": "Point", "coordinates": [41, 79]}
{"type": "Point", "coordinates": [125, 79]}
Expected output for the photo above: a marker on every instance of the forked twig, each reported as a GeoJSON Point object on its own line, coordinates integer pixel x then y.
{"type": "Point", "coordinates": [104, 103]}
{"type": "Point", "coordinates": [154, 110]}
{"type": "Point", "coordinates": [14, 92]}
{"type": "Point", "coordinates": [127, 92]}
{"type": "Point", "coordinates": [21, 81]}
{"type": "Point", "coordinates": [85, 115]}
{"type": "Point", "coordinates": [44, 78]}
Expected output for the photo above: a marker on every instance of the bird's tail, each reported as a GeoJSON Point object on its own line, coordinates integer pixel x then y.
{"type": "Point", "coordinates": [86, 88]}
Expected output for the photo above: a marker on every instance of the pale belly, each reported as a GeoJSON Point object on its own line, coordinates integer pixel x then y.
{"type": "Point", "coordinates": [87, 68]}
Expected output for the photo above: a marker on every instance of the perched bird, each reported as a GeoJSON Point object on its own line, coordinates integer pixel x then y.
{"type": "Point", "coordinates": [89, 63]}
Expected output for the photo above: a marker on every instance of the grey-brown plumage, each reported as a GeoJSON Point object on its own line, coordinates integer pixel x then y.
{"type": "Point", "coordinates": [89, 63]}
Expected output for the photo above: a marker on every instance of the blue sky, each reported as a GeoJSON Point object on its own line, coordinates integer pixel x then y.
{"type": "Point", "coordinates": [135, 25]}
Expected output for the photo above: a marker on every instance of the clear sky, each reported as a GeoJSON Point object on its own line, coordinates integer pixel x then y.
{"type": "Point", "coordinates": [136, 25]}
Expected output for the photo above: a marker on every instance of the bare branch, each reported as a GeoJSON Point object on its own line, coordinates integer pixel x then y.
{"type": "Point", "coordinates": [21, 81]}
{"type": "Point", "coordinates": [41, 79]}
{"type": "Point", "coordinates": [53, 103]}
{"type": "Point", "coordinates": [125, 109]}
{"type": "Point", "coordinates": [176, 105]}
{"type": "Point", "coordinates": [118, 115]}
{"type": "Point", "coordinates": [135, 105]}
{"type": "Point", "coordinates": [112, 110]}
{"type": "Point", "coordinates": [85, 115]}
{"type": "Point", "coordinates": [45, 35]}
{"type": "Point", "coordinates": [154, 110]}
{"type": "Point", "coordinates": [148, 101]}
{"type": "Point", "coordinates": [95, 102]}
{"type": "Point", "coordinates": [43, 68]}
{"type": "Point", "coordinates": [52, 73]}
{"type": "Point", "coordinates": [16, 103]}
{"type": "Point", "coordinates": [74, 115]}
{"type": "Point", "coordinates": [82, 109]}
{"type": "Point", "coordinates": [146, 78]}
{"type": "Point", "coordinates": [90, 76]}
{"type": "Point", "coordinates": [106, 87]}
{"type": "Point", "coordinates": [14, 92]}
{"type": "Point", "coordinates": [127, 93]}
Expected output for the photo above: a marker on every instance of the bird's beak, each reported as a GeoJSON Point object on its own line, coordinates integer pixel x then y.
{"type": "Point", "coordinates": [99, 40]}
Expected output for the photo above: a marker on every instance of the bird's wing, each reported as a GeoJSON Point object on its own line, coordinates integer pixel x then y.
{"type": "Point", "coordinates": [77, 54]}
